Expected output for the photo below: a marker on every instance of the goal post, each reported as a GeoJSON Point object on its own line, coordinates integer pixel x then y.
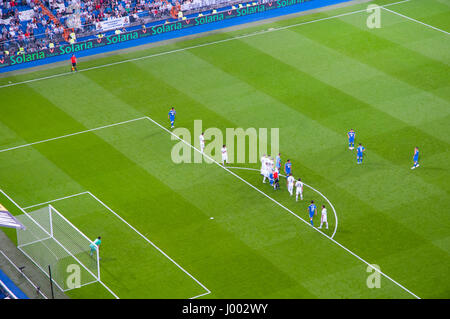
{"type": "Point", "coordinates": [50, 239]}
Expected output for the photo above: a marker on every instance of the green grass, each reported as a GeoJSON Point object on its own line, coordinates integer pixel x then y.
{"type": "Point", "coordinates": [314, 82]}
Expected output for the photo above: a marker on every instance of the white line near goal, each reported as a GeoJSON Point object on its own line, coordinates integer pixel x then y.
{"type": "Point", "coordinates": [25, 213]}
{"type": "Point", "coordinates": [133, 228]}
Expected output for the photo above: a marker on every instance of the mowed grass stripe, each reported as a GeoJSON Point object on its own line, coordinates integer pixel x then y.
{"type": "Point", "coordinates": [34, 117]}
{"type": "Point", "coordinates": [348, 75]}
{"type": "Point", "coordinates": [302, 82]}
{"type": "Point", "coordinates": [381, 53]}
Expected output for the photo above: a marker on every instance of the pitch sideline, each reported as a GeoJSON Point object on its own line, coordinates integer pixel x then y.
{"type": "Point", "coordinates": [201, 45]}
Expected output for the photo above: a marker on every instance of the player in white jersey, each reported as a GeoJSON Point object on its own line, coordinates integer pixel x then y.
{"type": "Point", "coordinates": [299, 189]}
{"type": "Point", "coordinates": [267, 168]}
{"type": "Point", "coordinates": [290, 181]}
{"type": "Point", "coordinates": [224, 155]}
{"type": "Point", "coordinates": [270, 165]}
{"type": "Point", "coordinates": [323, 219]}
{"type": "Point", "coordinates": [202, 142]}
{"type": "Point", "coordinates": [263, 167]}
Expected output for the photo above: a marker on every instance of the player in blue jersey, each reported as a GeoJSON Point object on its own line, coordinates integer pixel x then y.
{"type": "Point", "coordinates": [278, 162]}
{"type": "Point", "coordinates": [351, 139]}
{"type": "Point", "coordinates": [287, 168]}
{"type": "Point", "coordinates": [359, 153]}
{"type": "Point", "coordinates": [416, 158]}
{"type": "Point", "coordinates": [172, 117]}
{"type": "Point", "coordinates": [312, 210]}
{"type": "Point", "coordinates": [271, 178]}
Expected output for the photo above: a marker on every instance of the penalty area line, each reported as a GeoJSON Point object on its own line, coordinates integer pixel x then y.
{"type": "Point", "coordinates": [150, 242]}
{"type": "Point", "coordinates": [72, 134]}
{"type": "Point", "coordinates": [206, 293]}
{"type": "Point", "coordinates": [176, 137]}
{"type": "Point", "coordinates": [34, 262]}
{"type": "Point", "coordinates": [131, 227]}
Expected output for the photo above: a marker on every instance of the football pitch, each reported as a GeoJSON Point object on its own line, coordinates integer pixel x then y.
{"type": "Point", "coordinates": [97, 146]}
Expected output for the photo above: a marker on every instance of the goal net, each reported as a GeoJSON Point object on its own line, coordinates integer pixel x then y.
{"type": "Point", "coordinates": [49, 239]}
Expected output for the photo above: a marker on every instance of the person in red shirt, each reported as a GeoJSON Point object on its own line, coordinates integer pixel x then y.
{"type": "Point", "coordinates": [276, 183]}
{"type": "Point", "coordinates": [73, 59]}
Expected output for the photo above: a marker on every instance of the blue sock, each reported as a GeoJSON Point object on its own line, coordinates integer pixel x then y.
{"type": "Point", "coordinates": [311, 223]}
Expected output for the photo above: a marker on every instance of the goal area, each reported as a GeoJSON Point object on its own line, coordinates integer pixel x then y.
{"type": "Point", "coordinates": [58, 248]}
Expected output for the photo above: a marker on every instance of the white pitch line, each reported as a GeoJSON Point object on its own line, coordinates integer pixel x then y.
{"type": "Point", "coordinates": [282, 206]}
{"type": "Point", "coordinates": [151, 243]}
{"type": "Point", "coordinates": [332, 207]}
{"type": "Point", "coordinates": [206, 293]}
{"type": "Point", "coordinates": [55, 200]}
{"type": "Point", "coordinates": [417, 21]}
{"type": "Point", "coordinates": [129, 225]}
{"type": "Point", "coordinates": [23, 211]}
{"type": "Point", "coordinates": [72, 134]}
{"type": "Point", "coordinates": [107, 288]}
{"type": "Point", "coordinates": [196, 46]}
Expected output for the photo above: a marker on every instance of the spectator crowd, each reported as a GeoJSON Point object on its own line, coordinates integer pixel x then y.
{"type": "Point", "coordinates": [28, 26]}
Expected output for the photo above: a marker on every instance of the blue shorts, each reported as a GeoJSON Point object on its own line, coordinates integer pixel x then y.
{"type": "Point", "coordinates": [359, 155]}
{"type": "Point", "coordinates": [311, 215]}
{"type": "Point", "coordinates": [351, 140]}
{"type": "Point", "coordinates": [416, 159]}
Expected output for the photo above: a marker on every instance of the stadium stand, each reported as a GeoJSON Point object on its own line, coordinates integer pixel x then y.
{"type": "Point", "coordinates": [28, 26]}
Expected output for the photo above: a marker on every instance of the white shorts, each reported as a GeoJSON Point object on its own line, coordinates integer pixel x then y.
{"type": "Point", "coordinates": [202, 146]}
{"type": "Point", "coordinates": [299, 191]}
{"type": "Point", "coordinates": [324, 219]}
{"type": "Point", "coordinates": [224, 158]}
{"type": "Point", "coordinates": [290, 188]}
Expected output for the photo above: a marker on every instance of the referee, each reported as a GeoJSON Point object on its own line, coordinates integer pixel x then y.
{"type": "Point", "coordinates": [73, 60]}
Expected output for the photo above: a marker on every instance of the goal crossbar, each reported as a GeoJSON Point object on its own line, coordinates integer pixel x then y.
{"type": "Point", "coordinates": [38, 257]}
